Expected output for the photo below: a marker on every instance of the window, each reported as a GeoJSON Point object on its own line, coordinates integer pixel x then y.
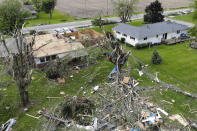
{"type": "Point", "coordinates": [145, 38]}
{"type": "Point", "coordinates": [48, 58]}
{"type": "Point", "coordinates": [42, 59]}
{"type": "Point", "coordinates": [157, 36]}
{"type": "Point", "coordinates": [178, 31]}
{"type": "Point", "coordinates": [117, 32]}
{"type": "Point", "coordinates": [53, 57]}
{"type": "Point", "coordinates": [125, 35]}
{"type": "Point", "coordinates": [132, 38]}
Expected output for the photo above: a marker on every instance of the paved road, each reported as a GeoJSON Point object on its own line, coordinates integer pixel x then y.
{"type": "Point", "coordinates": [52, 27]}
{"type": "Point", "coordinates": [181, 22]}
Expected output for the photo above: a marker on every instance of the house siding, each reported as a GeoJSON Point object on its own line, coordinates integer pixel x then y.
{"type": "Point", "coordinates": [37, 60]}
{"type": "Point", "coordinates": [127, 39]}
{"type": "Point", "coordinates": [154, 39]}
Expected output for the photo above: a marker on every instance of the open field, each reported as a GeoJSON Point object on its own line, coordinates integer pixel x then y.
{"type": "Point", "coordinates": [91, 8]}
{"type": "Point", "coordinates": [43, 18]}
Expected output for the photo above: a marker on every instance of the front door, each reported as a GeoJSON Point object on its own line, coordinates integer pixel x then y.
{"type": "Point", "coordinates": [165, 36]}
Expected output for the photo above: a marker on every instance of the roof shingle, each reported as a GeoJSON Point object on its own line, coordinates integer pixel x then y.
{"type": "Point", "coordinates": [149, 30]}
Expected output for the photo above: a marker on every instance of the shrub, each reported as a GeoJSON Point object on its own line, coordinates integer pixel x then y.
{"type": "Point", "coordinates": [142, 45]}
{"type": "Point", "coordinates": [100, 22]}
{"type": "Point", "coordinates": [156, 58]}
{"type": "Point", "coordinates": [53, 70]}
{"type": "Point", "coordinates": [28, 2]}
{"type": "Point", "coordinates": [122, 40]}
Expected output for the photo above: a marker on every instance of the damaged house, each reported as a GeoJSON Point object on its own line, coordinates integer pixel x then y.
{"type": "Point", "coordinates": [49, 47]}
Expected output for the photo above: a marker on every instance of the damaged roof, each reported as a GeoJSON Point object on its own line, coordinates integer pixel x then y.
{"type": "Point", "coordinates": [149, 30]}
{"type": "Point", "coordinates": [49, 44]}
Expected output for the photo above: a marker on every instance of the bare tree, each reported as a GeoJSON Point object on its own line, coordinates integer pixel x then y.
{"type": "Point", "coordinates": [21, 63]}
{"type": "Point", "coordinates": [125, 9]}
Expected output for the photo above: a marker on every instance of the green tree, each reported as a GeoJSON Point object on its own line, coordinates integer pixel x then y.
{"type": "Point", "coordinates": [195, 10]}
{"type": "Point", "coordinates": [12, 16]}
{"type": "Point", "coordinates": [125, 9]}
{"type": "Point", "coordinates": [193, 30]}
{"type": "Point", "coordinates": [37, 4]}
{"type": "Point", "coordinates": [48, 6]}
{"type": "Point", "coordinates": [156, 58]}
{"type": "Point", "coordinates": [154, 13]}
{"type": "Point", "coordinates": [98, 22]}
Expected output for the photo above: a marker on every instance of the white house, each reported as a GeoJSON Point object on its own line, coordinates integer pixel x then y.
{"type": "Point", "coordinates": [154, 33]}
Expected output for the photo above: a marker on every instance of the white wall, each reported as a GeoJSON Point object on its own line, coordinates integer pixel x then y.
{"type": "Point", "coordinates": [127, 39]}
{"type": "Point", "coordinates": [37, 60]}
{"type": "Point", "coordinates": [149, 39]}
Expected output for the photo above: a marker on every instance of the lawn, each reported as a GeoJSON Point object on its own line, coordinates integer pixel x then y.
{"type": "Point", "coordinates": [107, 28]}
{"type": "Point", "coordinates": [178, 67]}
{"type": "Point", "coordinates": [186, 18]}
{"type": "Point", "coordinates": [43, 18]}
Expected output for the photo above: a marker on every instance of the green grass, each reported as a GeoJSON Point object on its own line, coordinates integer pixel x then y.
{"type": "Point", "coordinates": [58, 17]}
{"type": "Point", "coordinates": [178, 67]}
{"type": "Point", "coordinates": [40, 89]}
{"type": "Point", "coordinates": [43, 18]}
{"type": "Point", "coordinates": [186, 18]}
{"type": "Point", "coordinates": [139, 22]}
{"type": "Point", "coordinates": [106, 28]}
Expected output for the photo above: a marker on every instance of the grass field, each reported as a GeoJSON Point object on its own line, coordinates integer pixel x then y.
{"type": "Point", "coordinates": [186, 18]}
{"type": "Point", "coordinates": [178, 68]}
{"type": "Point", "coordinates": [106, 28]}
{"type": "Point", "coordinates": [179, 64]}
{"type": "Point", "coordinates": [43, 18]}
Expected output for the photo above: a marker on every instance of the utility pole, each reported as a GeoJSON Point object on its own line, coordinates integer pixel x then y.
{"type": "Point", "coordinates": [107, 7]}
{"type": "Point", "coordinates": [85, 10]}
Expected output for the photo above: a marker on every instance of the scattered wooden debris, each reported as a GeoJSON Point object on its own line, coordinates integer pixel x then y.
{"type": "Point", "coordinates": [33, 116]}
{"type": "Point", "coordinates": [62, 93]}
{"type": "Point", "coordinates": [8, 125]}
{"type": "Point", "coordinates": [60, 80]}
{"type": "Point", "coordinates": [180, 119]}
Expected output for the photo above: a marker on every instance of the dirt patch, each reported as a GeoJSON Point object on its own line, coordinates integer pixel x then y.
{"type": "Point", "coordinates": [91, 8]}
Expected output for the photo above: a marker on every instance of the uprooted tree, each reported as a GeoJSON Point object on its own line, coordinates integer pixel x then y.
{"type": "Point", "coordinates": [125, 9]}
{"type": "Point", "coordinates": [20, 63]}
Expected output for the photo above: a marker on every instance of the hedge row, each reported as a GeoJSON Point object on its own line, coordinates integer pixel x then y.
{"type": "Point", "coordinates": [143, 45]}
